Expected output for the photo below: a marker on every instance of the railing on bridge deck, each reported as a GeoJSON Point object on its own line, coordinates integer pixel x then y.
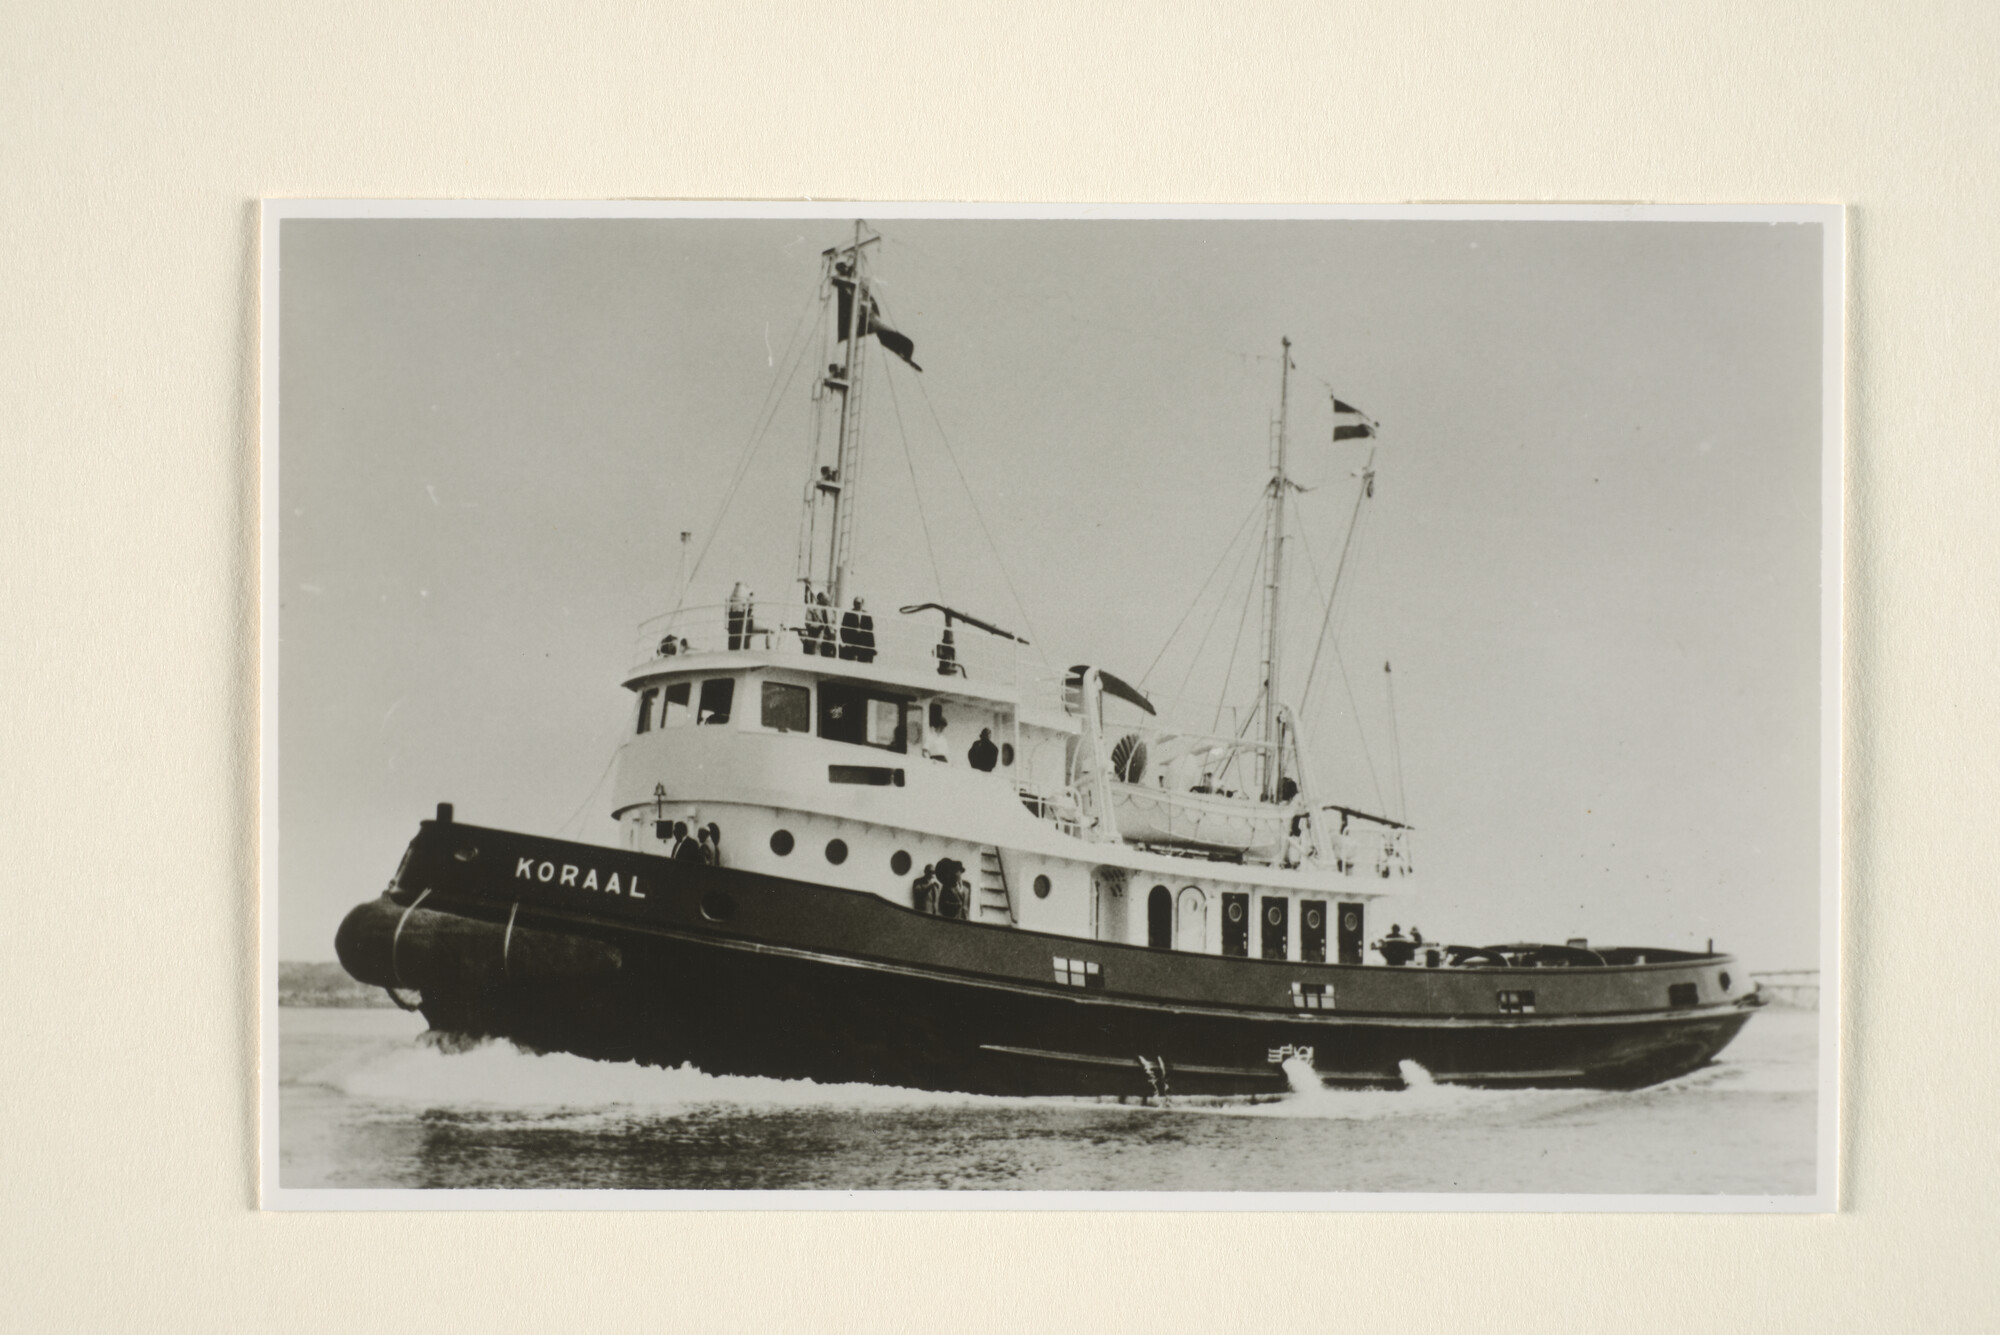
{"type": "Point", "coordinates": [909, 644]}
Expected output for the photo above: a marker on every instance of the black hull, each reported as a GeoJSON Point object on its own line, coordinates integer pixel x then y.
{"type": "Point", "coordinates": [937, 1004]}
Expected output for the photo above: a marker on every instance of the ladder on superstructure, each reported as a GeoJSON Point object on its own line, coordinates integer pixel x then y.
{"type": "Point", "coordinates": [991, 886]}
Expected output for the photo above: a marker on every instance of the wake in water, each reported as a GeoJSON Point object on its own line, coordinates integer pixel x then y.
{"type": "Point", "coordinates": [1420, 1097]}
{"type": "Point", "coordinates": [495, 1076]}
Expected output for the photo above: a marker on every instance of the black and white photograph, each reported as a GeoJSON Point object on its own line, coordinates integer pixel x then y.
{"type": "Point", "coordinates": [849, 705]}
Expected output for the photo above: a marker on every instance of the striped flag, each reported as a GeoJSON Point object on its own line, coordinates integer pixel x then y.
{"type": "Point", "coordinates": [1350, 423]}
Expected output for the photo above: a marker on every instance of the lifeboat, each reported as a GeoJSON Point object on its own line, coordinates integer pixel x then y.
{"type": "Point", "coordinates": [1218, 822]}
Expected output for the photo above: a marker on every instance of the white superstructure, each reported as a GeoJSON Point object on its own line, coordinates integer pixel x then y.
{"type": "Point", "coordinates": [828, 743]}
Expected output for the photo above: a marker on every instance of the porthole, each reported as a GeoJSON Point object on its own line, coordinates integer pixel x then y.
{"type": "Point", "coordinates": [781, 842]}
{"type": "Point", "coordinates": [1312, 918]}
{"type": "Point", "coordinates": [1006, 753]}
{"type": "Point", "coordinates": [836, 851]}
{"type": "Point", "coordinates": [717, 906]}
{"type": "Point", "coordinates": [1235, 912]}
{"type": "Point", "coordinates": [1352, 922]}
{"type": "Point", "coordinates": [899, 862]}
{"type": "Point", "coordinates": [1041, 887]}
{"type": "Point", "coordinates": [1274, 915]}
{"type": "Point", "coordinates": [1723, 978]}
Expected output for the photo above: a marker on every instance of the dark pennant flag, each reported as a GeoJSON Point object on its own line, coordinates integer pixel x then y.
{"type": "Point", "coordinates": [893, 339]}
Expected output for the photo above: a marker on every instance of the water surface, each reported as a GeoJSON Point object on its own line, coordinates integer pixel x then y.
{"type": "Point", "coordinates": [366, 1100]}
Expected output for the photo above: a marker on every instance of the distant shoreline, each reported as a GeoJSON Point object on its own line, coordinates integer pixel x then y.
{"type": "Point", "coordinates": [1797, 989]}
{"type": "Point", "coordinates": [326, 984]}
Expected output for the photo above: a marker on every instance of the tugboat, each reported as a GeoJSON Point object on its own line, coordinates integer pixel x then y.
{"type": "Point", "coordinates": [911, 853]}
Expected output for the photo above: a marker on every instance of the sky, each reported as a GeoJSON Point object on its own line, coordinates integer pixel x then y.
{"type": "Point", "coordinates": [1592, 556]}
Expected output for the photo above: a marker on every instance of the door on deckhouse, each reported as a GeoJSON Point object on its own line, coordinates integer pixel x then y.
{"type": "Point", "coordinates": [1312, 930]}
{"type": "Point", "coordinates": [1235, 923]}
{"type": "Point", "coordinates": [1276, 933]}
{"type": "Point", "coordinates": [1350, 933]}
{"type": "Point", "coordinates": [1160, 918]}
{"type": "Point", "coordinates": [1191, 925]}
{"type": "Point", "coordinates": [1108, 885]}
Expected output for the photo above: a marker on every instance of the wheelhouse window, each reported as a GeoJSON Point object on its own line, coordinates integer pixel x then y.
{"type": "Point", "coordinates": [674, 711]}
{"type": "Point", "coordinates": [787, 708]}
{"type": "Point", "coordinates": [717, 694]}
{"type": "Point", "coordinates": [864, 717]}
{"type": "Point", "coordinates": [646, 698]}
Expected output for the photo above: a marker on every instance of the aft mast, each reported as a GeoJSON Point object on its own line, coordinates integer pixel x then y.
{"type": "Point", "coordinates": [1274, 565]}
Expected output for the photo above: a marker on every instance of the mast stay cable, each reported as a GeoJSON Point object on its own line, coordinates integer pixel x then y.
{"type": "Point", "coordinates": [1396, 745]}
{"type": "Point", "coordinates": [910, 463]}
{"type": "Point", "coordinates": [1196, 600]}
{"type": "Point", "coordinates": [767, 413]}
{"type": "Point", "coordinates": [1241, 622]}
{"type": "Point", "coordinates": [1308, 715]}
{"type": "Point", "coordinates": [1361, 494]}
{"type": "Point", "coordinates": [1221, 603]}
{"type": "Point", "coordinates": [998, 559]}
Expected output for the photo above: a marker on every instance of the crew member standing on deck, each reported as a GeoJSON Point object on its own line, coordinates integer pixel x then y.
{"type": "Point", "coordinates": [685, 849]}
{"type": "Point", "coordinates": [850, 633]}
{"type": "Point", "coordinates": [857, 633]}
{"type": "Point", "coordinates": [951, 897]}
{"type": "Point", "coordinates": [984, 755]}
{"type": "Point", "coordinates": [739, 614]}
{"type": "Point", "coordinates": [934, 744]}
{"type": "Point", "coordinates": [819, 626]}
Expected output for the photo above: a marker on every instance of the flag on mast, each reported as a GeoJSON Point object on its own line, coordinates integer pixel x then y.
{"type": "Point", "coordinates": [1350, 423]}
{"type": "Point", "coordinates": [894, 340]}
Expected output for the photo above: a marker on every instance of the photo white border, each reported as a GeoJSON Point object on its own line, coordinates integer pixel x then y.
{"type": "Point", "coordinates": [1828, 1153]}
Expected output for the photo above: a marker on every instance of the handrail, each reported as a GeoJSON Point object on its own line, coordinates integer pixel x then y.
{"type": "Point", "coordinates": [813, 631]}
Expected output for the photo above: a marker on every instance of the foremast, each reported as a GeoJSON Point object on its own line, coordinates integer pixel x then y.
{"type": "Point", "coordinates": [832, 502]}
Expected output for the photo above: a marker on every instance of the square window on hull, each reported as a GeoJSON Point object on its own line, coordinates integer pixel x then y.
{"type": "Point", "coordinates": [1312, 996]}
{"type": "Point", "coordinates": [1078, 973]}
